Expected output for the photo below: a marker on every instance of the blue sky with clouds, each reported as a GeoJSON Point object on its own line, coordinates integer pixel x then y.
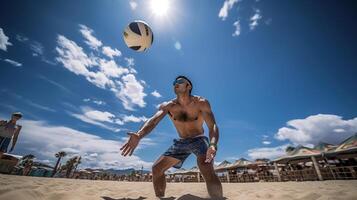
{"type": "Point", "coordinates": [276, 73]}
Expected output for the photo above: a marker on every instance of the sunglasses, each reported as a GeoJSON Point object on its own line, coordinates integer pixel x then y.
{"type": "Point", "coordinates": [17, 116]}
{"type": "Point", "coordinates": [179, 81]}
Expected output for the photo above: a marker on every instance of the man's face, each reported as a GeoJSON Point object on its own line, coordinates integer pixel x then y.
{"type": "Point", "coordinates": [181, 85]}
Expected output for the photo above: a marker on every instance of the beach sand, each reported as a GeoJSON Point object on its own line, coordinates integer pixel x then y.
{"type": "Point", "coordinates": [31, 188]}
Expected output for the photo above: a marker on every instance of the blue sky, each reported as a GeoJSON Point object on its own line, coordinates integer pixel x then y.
{"type": "Point", "coordinates": [276, 73]}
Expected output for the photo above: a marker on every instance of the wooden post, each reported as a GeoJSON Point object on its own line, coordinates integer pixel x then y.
{"type": "Point", "coordinates": [277, 170]}
{"type": "Point", "coordinates": [198, 177]}
{"type": "Point", "coordinates": [317, 169]}
{"type": "Point", "coordinates": [227, 174]}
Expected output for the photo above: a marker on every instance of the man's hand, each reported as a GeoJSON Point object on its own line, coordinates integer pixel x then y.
{"type": "Point", "coordinates": [211, 153]}
{"type": "Point", "coordinates": [130, 145]}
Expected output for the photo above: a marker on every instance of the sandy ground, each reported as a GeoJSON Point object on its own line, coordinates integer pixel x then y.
{"type": "Point", "coordinates": [30, 188]}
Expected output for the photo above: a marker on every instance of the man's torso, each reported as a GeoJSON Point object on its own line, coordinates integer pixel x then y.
{"type": "Point", "coordinates": [188, 119]}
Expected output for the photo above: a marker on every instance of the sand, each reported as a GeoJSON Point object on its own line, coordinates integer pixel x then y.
{"type": "Point", "coordinates": [31, 188]}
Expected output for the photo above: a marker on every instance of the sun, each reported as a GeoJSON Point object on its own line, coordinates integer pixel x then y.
{"type": "Point", "coordinates": [159, 7]}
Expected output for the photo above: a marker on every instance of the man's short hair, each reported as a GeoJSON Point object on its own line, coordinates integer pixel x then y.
{"type": "Point", "coordinates": [188, 80]}
{"type": "Point", "coordinates": [17, 114]}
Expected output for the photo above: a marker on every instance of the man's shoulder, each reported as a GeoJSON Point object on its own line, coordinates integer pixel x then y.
{"type": "Point", "coordinates": [167, 104]}
{"type": "Point", "coordinates": [200, 100]}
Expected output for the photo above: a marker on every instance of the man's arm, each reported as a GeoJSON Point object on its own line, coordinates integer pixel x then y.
{"type": "Point", "coordinates": [148, 126]}
{"type": "Point", "coordinates": [16, 135]}
{"type": "Point", "coordinates": [151, 123]}
{"type": "Point", "coordinates": [213, 129]}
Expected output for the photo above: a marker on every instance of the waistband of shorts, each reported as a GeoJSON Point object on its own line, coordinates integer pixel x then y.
{"type": "Point", "coordinates": [190, 138]}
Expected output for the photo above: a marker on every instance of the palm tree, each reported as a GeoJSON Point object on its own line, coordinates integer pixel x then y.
{"type": "Point", "coordinates": [58, 155]}
{"type": "Point", "coordinates": [27, 162]}
{"type": "Point", "coordinates": [69, 165]}
{"type": "Point", "coordinates": [78, 161]}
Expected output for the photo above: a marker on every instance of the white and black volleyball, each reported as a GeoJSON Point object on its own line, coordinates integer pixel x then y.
{"type": "Point", "coordinates": [138, 36]}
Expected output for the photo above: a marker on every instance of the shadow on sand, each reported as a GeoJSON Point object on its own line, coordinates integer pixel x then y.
{"type": "Point", "coordinates": [109, 198]}
{"type": "Point", "coordinates": [183, 197]}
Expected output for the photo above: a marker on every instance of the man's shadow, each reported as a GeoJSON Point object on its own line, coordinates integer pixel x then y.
{"type": "Point", "coordinates": [193, 197]}
{"type": "Point", "coordinates": [109, 198]}
{"type": "Point", "coordinates": [140, 198]}
{"type": "Point", "coordinates": [183, 197]}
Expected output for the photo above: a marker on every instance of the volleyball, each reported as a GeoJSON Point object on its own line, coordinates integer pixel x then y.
{"type": "Point", "coordinates": [138, 36]}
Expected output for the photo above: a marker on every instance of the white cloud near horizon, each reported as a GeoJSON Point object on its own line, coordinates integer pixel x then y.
{"type": "Point", "coordinates": [227, 5]}
{"type": "Point", "coordinates": [317, 128]}
{"type": "Point", "coordinates": [44, 140]}
{"type": "Point", "coordinates": [266, 142]}
{"type": "Point", "coordinates": [267, 152]}
{"type": "Point", "coordinates": [4, 40]}
{"type": "Point", "coordinates": [13, 62]}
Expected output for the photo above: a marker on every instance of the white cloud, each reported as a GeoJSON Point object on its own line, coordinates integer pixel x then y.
{"type": "Point", "coordinates": [156, 94]}
{"type": "Point", "coordinates": [108, 51]}
{"type": "Point", "coordinates": [12, 62]}
{"type": "Point", "coordinates": [130, 62]}
{"type": "Point", "coordinates": [267, 152]}
{"type": "Point", "coordinates": [54, 83]}
{"type": "Point", "coordinates": [254, 20]}
{"type": "Point", "coordinates": [75, 60]}
{"type": "Point", "coordinates": [317, 128]}
{"type": "Point", "coordinates": [132, 118]}
{"type": "Point", "coordinates": [237, 31]}
{"type": "Point", "coordinates": [227, 5]}
{"type": "Point", "coordinates": [99, 118]}
{"type": "Point", "coordinates": [111, 69]}
{"type": "Point", "coordinates": [131, 92]}
{"type": "Point", "coordinates": [87, 33]}
{"type": "Point", "coordinates": [37, 48]}
{"type": "Point", "coordinates": [4, 40]}
{"type": "Point", "coordinates": [105, 74]}
{"type": "Point", "coordinates": [21, 38]}
{"type": "Point", "coordinates": [98, 102]}
{"type": "Point", "coordinates": [266, 142]}
{"type": "Point", "coordinates": [178, 45]}
{"type": "Point", "coordinates": [133, 5]}
{"type": "Point", "coordinates": [44, 140]}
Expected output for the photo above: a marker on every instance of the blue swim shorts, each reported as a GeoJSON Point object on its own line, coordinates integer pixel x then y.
{"type": "Point", "coordinates": [182, 148]}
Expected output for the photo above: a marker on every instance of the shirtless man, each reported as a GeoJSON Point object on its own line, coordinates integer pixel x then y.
{"type": "Point", "coordinates": [9, 130]}
{"type": "Point", "coordinates": [188, 113]}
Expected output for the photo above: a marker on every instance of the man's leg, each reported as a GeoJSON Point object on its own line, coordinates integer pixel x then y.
{"type": "Point", "coordinates": [214, 186]}
{"type": "Point", "coordinates": [158, 173]}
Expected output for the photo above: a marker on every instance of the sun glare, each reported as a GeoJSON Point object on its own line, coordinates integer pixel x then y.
{"type": "Point", "coordinates": [160, 7]}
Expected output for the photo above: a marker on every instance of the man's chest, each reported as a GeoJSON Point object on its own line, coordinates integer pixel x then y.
{"type": "Point", "coordinates": [185, 113]}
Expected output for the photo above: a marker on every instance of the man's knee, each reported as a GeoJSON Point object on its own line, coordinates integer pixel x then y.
{"type": "Point", "coordinates": [157, 170]}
